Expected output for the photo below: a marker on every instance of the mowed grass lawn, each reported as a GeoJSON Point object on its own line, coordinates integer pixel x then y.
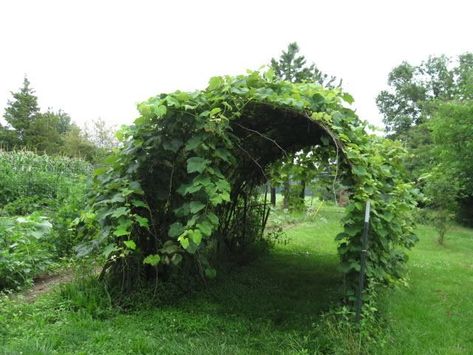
{"type": "Point", "coordinates": [434, 314]}
{"type": "Point", "coordinates": [271, 306]}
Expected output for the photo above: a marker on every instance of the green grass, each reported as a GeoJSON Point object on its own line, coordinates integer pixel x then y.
{"type": "Point", "coordinates": [271, 306]}
{"type": "Point", "coordinates": [434, 314]}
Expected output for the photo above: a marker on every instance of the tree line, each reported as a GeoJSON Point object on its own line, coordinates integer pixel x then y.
{"type": "Point", "coordinates": [50, 132]}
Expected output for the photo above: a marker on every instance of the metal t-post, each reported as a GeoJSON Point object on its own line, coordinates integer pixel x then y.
{"type": "Point", "coordinates": [364, 251]}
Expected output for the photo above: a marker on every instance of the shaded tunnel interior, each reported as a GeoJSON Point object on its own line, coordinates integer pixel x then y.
{"type": "Point", "coordinates": [267, 134]}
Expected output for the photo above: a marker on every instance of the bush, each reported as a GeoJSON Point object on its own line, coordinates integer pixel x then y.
{"type": "Point", "coordinates": [71, 200]}
{"type": "Point", "coordinates": [25, 249]}
{"type": "Point", "coordinates": [442, 193]}
{"type": "Point", "coordinates": [24, 205]}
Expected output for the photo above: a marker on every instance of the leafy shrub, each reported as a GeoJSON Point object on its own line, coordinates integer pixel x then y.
{"type": "Point", "coordinates": [71, 200]}
{"type": "Point", "coordinates": [442, 193]}
{"type": "Point", "coordinates": [25, 249]}
{"type": "Point", "coordinates": [275, 237]}
{"type": "Point", "coordinates": [24, 205]}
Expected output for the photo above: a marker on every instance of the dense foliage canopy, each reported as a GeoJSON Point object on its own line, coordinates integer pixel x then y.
{"type": "Point", "coordinates": [415, 90]}
{"type": "Point", "coordinates": [181, 193]}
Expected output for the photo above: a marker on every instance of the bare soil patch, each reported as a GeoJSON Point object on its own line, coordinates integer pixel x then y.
{"type": "Point", "coordinates": [45, 283]}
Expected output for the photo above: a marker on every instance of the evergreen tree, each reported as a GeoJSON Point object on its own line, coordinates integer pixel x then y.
{"type": "Point", "coordinates": [292, 67]}
{"type": "Point", "coordinates": [22, 111]}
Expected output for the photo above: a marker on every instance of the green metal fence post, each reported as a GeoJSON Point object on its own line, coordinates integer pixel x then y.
{"type": "Point", "coordinates": [364, 252]}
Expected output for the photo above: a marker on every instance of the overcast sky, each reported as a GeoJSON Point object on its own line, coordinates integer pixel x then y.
{"type": "Point", "coordinates": [100, 58]}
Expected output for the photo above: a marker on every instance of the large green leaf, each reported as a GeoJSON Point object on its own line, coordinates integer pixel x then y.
{"type": "Point", "coordinates": [196, 206]}
{"type": "Point", "coordinates": [130, 244]}
{"type": "Point", "coordinates": [160, 111]}
{"type": "Point", "coordinates": [176, 229]}
{"type": "Point", "coordinates": [196, 165]}
{"type": "Point", "coordinates": [152, 260]}
{"type": "Point", "coordinates": [121, 211]}
{"type": "Point", "coordinates": [215, 83]}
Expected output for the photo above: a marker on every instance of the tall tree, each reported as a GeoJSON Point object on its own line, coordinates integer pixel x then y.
{"type": "Point", "coordinates": [64, 122]}
{"type": "Point", "coordinates": [452, 131]}
{"type": "Point", "coordinates": [21, 112]}
{"type": "Point", "coordinates": [46, 133]}
{"type": "Point", "coordinates": [464, 76]}
{"type": "Point", "coordinates": [414, 91]}
{"type": "Point", "coordinates": [101, 134]}
{"type": "Point", "coordinates": [293, 67]}
{"type": "Point", "coordinates": [400, 106]}
{"type": "Point", "coordinates": [429, 108]}
{"type": "Point", "coordinates": [76, 144]}
{"type": "Point", "coordinates": [413, 98]}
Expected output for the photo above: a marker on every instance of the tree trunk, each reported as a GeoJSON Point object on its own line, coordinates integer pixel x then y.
{"type": "Point", "coordinates": [286, 192]}
{"type": "Point", "coordinates": [273, 196]}
{"type": "Point", "coordinates": [302, 193]}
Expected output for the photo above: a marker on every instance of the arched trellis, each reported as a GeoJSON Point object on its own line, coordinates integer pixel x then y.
{"type": "Point", "coordinates": [163, 199]}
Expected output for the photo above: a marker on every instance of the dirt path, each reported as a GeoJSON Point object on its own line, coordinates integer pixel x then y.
{"type": "Point", "coordinates": [44, 284]}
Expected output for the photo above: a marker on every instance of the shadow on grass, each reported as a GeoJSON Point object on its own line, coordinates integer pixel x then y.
{"type": "Point", "coordinates": [284, 290]}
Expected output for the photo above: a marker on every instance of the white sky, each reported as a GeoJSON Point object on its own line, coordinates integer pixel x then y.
{"type": "Point", "coordinates": [100, 58]}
